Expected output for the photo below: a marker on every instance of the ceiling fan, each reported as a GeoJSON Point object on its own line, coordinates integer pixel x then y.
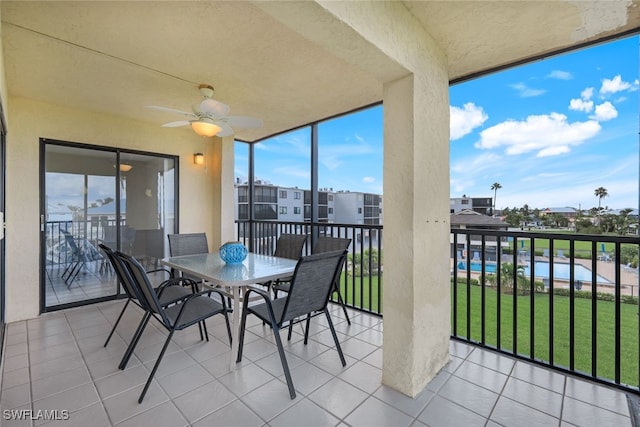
{"type": "Point", "coordinates": [210, 117]}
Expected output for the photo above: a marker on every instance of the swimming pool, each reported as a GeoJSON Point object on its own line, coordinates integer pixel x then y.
{"type": "Point", "coordinates": [561, 270]}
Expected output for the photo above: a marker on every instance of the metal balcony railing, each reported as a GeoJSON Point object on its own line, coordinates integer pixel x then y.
{"type": "Point", "coordinates": [57, 249]}
{"type": "Point", "coordinates": [361, 279]}
{"type": "Point", "coordinates": [566, 301]}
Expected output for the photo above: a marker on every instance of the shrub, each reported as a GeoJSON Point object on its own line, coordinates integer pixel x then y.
{"type": "Point", "coordinates": [600, 296]}
{"type": "Point", "coordinates": [629, 255]}
{"type": "Point", "coordinates": [463, 281]}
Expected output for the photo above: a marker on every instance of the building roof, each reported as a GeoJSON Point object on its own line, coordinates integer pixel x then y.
{"type": "Point", "coordinates": [469, 218]}
{"type": "Point", "coordinates": [559, 210]}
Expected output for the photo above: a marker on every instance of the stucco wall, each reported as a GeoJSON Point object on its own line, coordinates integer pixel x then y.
{"type": "Point", "coordinates": [416, 190]}
{"type": "Point", "coordinates": [31, 120]}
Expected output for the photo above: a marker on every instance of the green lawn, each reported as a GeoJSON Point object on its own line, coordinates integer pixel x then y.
{"type": "Point", "coordinates": [583, 336]}
{"type": "Point", "coordinates": [582, 248]}
{"type": "Point", "coordinates": [363, 292]}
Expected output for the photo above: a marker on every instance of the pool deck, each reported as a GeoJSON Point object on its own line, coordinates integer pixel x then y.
{"type": "Point", "coordinates": [628, 277]}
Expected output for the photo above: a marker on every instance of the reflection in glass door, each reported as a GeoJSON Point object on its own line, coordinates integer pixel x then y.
{"type": "Point", "coordinates": [95, 195]}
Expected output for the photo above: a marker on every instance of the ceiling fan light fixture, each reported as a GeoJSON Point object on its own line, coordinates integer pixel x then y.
{"type": "Point", "coordinates": [204, 128]}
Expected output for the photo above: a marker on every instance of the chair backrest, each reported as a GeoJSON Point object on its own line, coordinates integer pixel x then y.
{"type": "Point", "coordinates": [312, 283]}
{"type": "Point", "coordinates": [148, 297]}
{"type": "Point", "coordinates": [71, 241]}
{"type": "Point", "coordinates": [121, 272]}
{"type": "Point", "coordinates": [109, 233]}
{"type": "Point", "coordinates": [290, 246]}
{"type": "Point", "coordinates": [188, 244]}
{"type": "Point", "coordinates": [329, 244]}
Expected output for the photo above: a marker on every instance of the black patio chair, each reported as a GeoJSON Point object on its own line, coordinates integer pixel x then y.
{"type": "Point", "coordinates": [169, 296]}
{"type": "Point", "coordinates": [82, 252]}
{"type": "Point", "coordinates": [191, 244]}
{"type": "Point", "coordinates": [190, 310]}
{"type": "Point", "coordinates": [309, 292]}
{"type": "Point", "coordinates": [187, 244]}
{"type": "Point", "coordinates": [324, 244]}
{"type": "Point", "coordinates": [288, 246]}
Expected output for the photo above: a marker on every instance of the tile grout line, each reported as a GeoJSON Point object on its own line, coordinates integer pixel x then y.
{"type": "Point", "coordinates": [504, 386]}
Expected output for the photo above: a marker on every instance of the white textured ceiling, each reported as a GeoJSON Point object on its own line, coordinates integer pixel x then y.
{"type": "Point", "coordinates": [118, 57]}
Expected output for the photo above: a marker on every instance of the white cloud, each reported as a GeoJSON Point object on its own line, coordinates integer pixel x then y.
{"type": "Point", "coordinates": [614, 85]}
{"type": "Point", "coordinates": [464, 120]}
{"type": "Point", "coordinates": [553, 151]}
{"type": "Point", "coordinates": [368, 179]}
{"type": "Point", "coordinates": [560, 75]}
{"type": "Point", "coordinates": [578, 104]}
{"type": "Point", "coordinates": [526, 92]}
{"type": "Point", "coordinates": [587, 93]}
{"type": "Point", "coordinates": [605, 111]}
{"type": "Point", "coordinates": [477, 164]}
{"type": "Point", "coordinates": [332, 157]}
{"type": "Point", "coordinates": [541, 133]}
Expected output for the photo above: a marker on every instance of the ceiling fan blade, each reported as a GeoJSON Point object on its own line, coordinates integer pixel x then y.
{"type": "Point", "coordinates": [211, 106]}
{"type": "Point", "coordinates": [226, 129]}
{"type": "Point", "coordinates": [171, 110]}
{"type": "Point", "coordinates": [176, 124]}
{"type": "Point", "coordinates": [244, 122]}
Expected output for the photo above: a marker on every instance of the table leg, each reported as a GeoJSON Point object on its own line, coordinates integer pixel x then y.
{"type": "Point", "coordinates": [235, 330]}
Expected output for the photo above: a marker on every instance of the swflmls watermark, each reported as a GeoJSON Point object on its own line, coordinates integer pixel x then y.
{"type": "Point", "coordinates": [39, 415]}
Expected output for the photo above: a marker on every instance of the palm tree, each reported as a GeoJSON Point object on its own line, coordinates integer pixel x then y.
{"type": "Point", "coordinates": [600, 193]}
{"type": "Point", "coordinates": [495, 187]}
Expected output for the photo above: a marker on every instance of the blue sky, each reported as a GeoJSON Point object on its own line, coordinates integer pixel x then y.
{"type": "Point", "coordinates": [549, 132]}
{"type": "Point", "coordinates": [349, 153]}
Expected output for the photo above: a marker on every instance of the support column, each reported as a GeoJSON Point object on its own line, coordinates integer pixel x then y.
{"type": "Point", "coordinates": [223, 216]}
{"type": "Point", "coordinates": [416, 230]}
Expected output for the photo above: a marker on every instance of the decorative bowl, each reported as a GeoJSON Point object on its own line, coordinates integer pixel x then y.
{"type": "Point", "coordinates": [233, 252]}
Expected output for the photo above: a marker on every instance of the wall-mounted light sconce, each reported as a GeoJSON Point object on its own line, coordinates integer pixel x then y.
{"type": "Point", "coordinates": [198, 159]}
{"type": "Point", "coordinates": [125, 167]}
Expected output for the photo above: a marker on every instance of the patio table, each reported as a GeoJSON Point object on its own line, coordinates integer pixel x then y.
{"type": "Point", "coordinates": [254, 269]}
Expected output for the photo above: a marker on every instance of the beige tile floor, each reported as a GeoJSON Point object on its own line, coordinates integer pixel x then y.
{"type": "Point", "coordinates": [57, 364]}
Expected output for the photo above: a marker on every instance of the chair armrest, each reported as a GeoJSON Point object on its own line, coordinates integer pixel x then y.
{"type": "Point", "coordinates": [184, 302]}
{"type": "Point", "coordinates": [267, 300]}
{"type": "Point", "coordinates": [177, 281]}
{"type": "Point", "coordinates": [258, 291]}
{"type": "Point", "coordinates": [155, 270]}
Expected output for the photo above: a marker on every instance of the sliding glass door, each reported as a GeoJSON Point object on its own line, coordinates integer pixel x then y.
{"type": "Point", "coordinates": [97, 195]}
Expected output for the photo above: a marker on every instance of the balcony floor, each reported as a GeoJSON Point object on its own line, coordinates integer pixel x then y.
{"type": "Point", "coordinates": [57, 362]}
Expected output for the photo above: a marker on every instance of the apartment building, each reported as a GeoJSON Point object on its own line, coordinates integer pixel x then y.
{"type": "Point", "coordinates": [294, 204]}
{"type": "Point", "coordinates": [358, 208]}
{"type": "Point", "coordinates": [482, 205]}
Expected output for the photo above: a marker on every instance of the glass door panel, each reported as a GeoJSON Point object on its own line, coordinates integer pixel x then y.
{"type": "Point", "coordinates": [147, 195]}
{"type": "Point", "coordinates": [95, 195]}
{"type": "Point", "coordinates": [79, 206]}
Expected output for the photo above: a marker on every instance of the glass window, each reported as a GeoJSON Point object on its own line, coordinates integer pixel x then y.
{"type": "Point", "coordinates": [350, 161]}
{"type": "Point", "coordinates": [283, 160]}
